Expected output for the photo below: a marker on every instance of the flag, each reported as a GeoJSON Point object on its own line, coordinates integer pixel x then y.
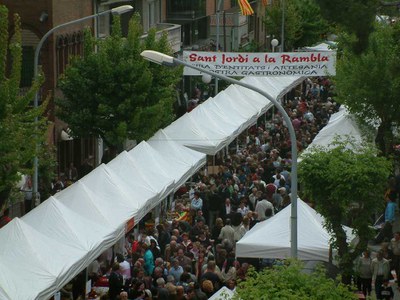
{"type": "Point", "coordinates": [245, 7]}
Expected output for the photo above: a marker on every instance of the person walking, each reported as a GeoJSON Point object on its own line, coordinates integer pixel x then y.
{"type": "Point", "coordinates": [116, 282]}
{"type": "Point", "coordinates": [148, 259]}
{"type": "Point", "coordinates": [364, 272]}
{"type": "Point", "coordinates": [386, 232]}
{"type": "Point", "coordinates": [380, 271]}
{"type": "Point", "coordinates": [227, 232]}
{"type": "Point", "coordinates": [28, 194]}
{"type": "Point", "coordinates": [395, 247]}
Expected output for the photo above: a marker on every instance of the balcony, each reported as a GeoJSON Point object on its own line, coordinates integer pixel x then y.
{"type": "Point", "coordinates": [173, 32]}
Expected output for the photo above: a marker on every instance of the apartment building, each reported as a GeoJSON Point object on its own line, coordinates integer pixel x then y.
{"type": "Point", "coordinates": [199, 23]}
{"type": "Point", "coordinates": [191, 24]}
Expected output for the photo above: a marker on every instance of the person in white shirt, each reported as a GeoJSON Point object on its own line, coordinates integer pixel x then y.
{"type": "Point", "coordinates": [262, 207]}
{"type": "Point", "coordinates": [380, 271]}
{"type": "Point", "coordinates": [227, 232]}
{"type": "Point", "coordinates": [196, 202]}
{"type": "Point", "coordinates": [243, 209]}
{"type": "Point", "coordinates": [124, 267]}
{"type": "Point", "coordinates": [226, 209]}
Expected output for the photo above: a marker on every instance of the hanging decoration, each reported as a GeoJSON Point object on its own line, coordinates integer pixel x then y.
{"type": "Point", "coordinates": [246, 8]}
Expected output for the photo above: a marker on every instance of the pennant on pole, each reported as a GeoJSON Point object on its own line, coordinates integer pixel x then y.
{"type": "Point", "coordinates": [245, 7]}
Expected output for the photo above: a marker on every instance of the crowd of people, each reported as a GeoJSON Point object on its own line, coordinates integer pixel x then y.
{"type": "Point", "coordinates": [377, 271]}
{"type": "Point", "coordinates": [191, 254]}
{"type": "Point", "coordinates": [70, 175]}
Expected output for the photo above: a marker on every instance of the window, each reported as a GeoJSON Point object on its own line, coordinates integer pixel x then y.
{"type": "Point", "coordinates": [186, 9]}
{"type": "Point", "coordinates": [66, 47]}
{"type": "Point", "coordinates": [28, 54]}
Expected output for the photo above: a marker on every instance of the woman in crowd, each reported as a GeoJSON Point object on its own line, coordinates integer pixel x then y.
{"type": "Point", "coordinates": [364, 273]}
{"type": "Point", "coordinates": [228, 271]}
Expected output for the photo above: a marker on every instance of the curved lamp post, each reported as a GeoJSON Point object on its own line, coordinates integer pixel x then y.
{"type": "Point", "coordinates": [166, 60]}
{"type": "Point", "coordinates": [116, 11]}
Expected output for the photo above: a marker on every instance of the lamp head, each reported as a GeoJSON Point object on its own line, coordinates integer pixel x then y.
{"type": "Point", "coordinates": [274, 42]}
{"type": "Point", "coordinates": [43, 16]}
{"type": "Point", "coordinates": [121, 9]}
{"type": "Point", "coordinates": [158, 57]}
{"type": "Point", "coordinates": [206, 78]}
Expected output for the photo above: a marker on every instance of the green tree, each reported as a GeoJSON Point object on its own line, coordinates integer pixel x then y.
{"type": "Point", "coordinates": [19, 133]}
{"type": "Point", "coordinates": [347, 184]}
{"type": "Point", "coordinates": [369, 83]}
{"type": "Point", "coordinates": [304, 25]}
{"type": "Point", "coordinates": [290, 282]}
{"type": "Point", "coordinates": [113, 93]}
{"type": "Point", "coordinates": [356, 17]}
{"type": "Point", "coordinates": [292, 23]}
{"type": "Point", "coordinates": [314, 27]}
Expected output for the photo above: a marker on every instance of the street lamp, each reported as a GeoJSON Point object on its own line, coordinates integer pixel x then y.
{"type": "Point", "coordinates": [166, 60]}
{"type": "Point", "coordinates": [217, 41]}
{"type": "Point", "coordinates": [283, 27]}
{"type": "Point", "coordinates": [274, 43]}
{"type": "Point", "coordinates": [116, 11]}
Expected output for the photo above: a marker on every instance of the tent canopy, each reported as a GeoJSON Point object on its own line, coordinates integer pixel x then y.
{"type": "Point", "coordinates": [326, 46]}
{"type": "Point", "coordinates": [210, 126]}
{"type": "Point", "coordinates": [341, 124]}
{"type": "Point", "coordinates": [180, 158]}
{"type": "Point", "coordinates": [271, 238]}
{"type": "Point", "coordinates": [58, 239]}
{"type": "Point", "coordinates": [33, 263]}
{"type": "Point", "coordinates": [223, 293]}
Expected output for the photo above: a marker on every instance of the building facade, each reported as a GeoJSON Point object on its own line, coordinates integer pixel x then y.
{"type": "Point", "coordinates": [190, 24]}
{"type": "Point", "coordinates": [39, 17]}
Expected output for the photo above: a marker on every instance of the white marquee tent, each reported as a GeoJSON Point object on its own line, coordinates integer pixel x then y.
{"type": "Point", "coordinates": [223, 294]}
{"type": "Point", "coordinates": [271, 238]}
{"type": "Point", "coordinates": [326, 46]}
{"type": "Point", "coordinates": [214, 124]}
{"type": "Point", "coordinates": [341, 124]}
{"type": "Point", "coordinates": [46, 248]}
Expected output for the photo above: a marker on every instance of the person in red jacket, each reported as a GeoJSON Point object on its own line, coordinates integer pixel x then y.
{"type": "Point", "coordinates": [4, 219]}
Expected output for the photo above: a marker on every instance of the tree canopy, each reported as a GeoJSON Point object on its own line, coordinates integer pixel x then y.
{"type": "Point", "coordinates": [19, 132]}
{"type": "Point", "coordinates": [354, 16]}
{"type": "Point", "coordinates": [289, 281]}
{"type": "Point", "coordinates": [369, 83]}
{"type": "Point", "coordinates": [304, 25]}
{"type": "Point", "coordinates": [357, 17]}
{"type": "Point", "coordinates": [346, 181]}
{"type": "Point", "coordinates": [113, 93]}
{"type": "Point", "coordinates": [314, 27]}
